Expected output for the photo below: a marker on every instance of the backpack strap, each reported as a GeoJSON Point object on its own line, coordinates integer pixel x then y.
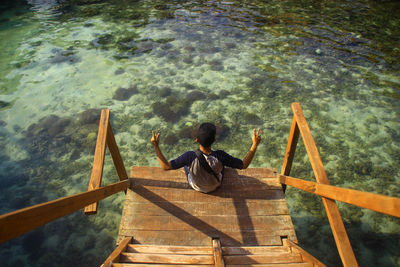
{"type": "Point", "coordinates": [205, 165]}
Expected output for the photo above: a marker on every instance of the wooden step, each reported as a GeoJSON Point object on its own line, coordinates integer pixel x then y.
{"type": "Point", "coordinates": [302, 264]}
{"type": "Point", "coordinates": [187, 250]}
{"type": "Point", "coordinates": [165, 258]}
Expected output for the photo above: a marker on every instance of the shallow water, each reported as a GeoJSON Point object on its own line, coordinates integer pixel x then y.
{"type": "Point", "coordinates": [168, 65]}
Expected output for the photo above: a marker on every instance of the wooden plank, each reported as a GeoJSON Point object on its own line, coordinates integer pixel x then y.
{"type": "Point", "coordinates": [217, 251]}
{"type": "Point", "coordinates": [297, 264]}
{"type": "Point", "coordinates": [260, 259]}
{"type": "Point", "coordinates": [164, 265]}
{"type": "Point", "coordinates": [380, 203]}
{"type": "Point", "coordinates": [21, 221]}
{"type": "Point", "coordinates": [307, 257]}
{"type": "Point", "coordinates": [339, 232]}
{"type": "Point", "coordinates": [98, 162]}
{"type": "Point", "coordinates": [116, 156]}
{"type": "Point", "coordinates": [114, 256]}
{"type": "Point", "coordinates": [157, 173]}
{"type": "Point", "coordinates": [188, 250]}
{"type": "Point", "coordinates": [166, 258]}
{"type": "Point", "coordinates": [263, 250]}
{"type": "Point", "coordinates": [243, 183]}
{"type": "Point", "coordinates": [202, 237]}
{"type": "Point", "coordinates": [157, 194]}
{"type": "Point", "coordinates": [290, 148]}
{"type": "Point", "coordinates": [224, 222]}
{"type": "Point", "coordinates": [260, 208]}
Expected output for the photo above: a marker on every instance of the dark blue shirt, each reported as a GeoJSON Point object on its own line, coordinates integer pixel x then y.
{"type": "Point", "coordinates": [227, 160]}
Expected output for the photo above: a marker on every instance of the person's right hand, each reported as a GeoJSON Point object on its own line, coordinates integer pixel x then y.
{"type": "Point", "coordinates": [155, 138]}
{"type": "Point", "coordinates": [256, 137]}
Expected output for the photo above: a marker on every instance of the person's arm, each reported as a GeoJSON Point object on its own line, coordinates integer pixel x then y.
{"type": "Point", "coordinates": [155, 139]}
{"type": "Point", "coordinates": [249, 156]}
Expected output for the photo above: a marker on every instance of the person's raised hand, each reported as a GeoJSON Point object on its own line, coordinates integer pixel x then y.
{"type": "Point", "coordinates": [256, 137]}
{"type": "Point", "coordinates": [155, 138]}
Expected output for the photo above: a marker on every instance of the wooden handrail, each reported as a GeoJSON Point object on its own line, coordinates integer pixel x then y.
{"type": "Point", "coordinates": [380, 203]}
{"type": "Point", "coordinates": [105, 137]}
{"type": "Point", "coordinates": [115, 255]}
{"type": "Point", "coordinates": [335, 220]}
{"type": "Point", "coordinates": [24, 220]}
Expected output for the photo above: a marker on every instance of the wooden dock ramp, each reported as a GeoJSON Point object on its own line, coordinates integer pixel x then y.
{"type": "Point", "coordinates": [246, 222]}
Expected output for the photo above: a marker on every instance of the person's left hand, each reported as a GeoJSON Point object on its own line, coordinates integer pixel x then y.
{"type": "Point", "coordinates": [155, 138]}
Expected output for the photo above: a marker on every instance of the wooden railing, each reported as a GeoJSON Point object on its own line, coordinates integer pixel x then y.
{"type": "Point", "coordinates": [380, 203]}
{"type": "Point", "coordinates": [24, 220]}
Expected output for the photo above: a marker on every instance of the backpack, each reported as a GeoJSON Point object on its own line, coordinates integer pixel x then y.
{"type": "Point", "coordinates": [205, 175]}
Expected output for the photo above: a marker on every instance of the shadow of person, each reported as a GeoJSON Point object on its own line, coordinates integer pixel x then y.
{"type": "Point", "coordinates": [231, 200]}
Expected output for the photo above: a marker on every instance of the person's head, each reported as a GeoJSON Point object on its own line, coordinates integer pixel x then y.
{"type": "Point", "coordinates": [206, 134]}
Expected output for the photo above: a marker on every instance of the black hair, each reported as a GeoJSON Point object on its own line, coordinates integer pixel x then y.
{"type": "Point", "coordinates": [206, 134]}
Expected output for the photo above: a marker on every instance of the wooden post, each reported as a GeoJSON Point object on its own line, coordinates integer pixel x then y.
{"type": "Point", "coordinates": [98, 162]}
{"type": "Point", "coordinates": [339, 232]}
{"type": "Point", "coordinates": [217, 251]}
{"type": "Point", "coordinates": [290, 148]}
{"type": "Point", "coordinates": [24, 220]}
{"type": "Point", "coordinates": [116, 156]}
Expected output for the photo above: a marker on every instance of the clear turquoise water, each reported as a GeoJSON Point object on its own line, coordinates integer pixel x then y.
{"type": "Point", "coordinates": [168, 65]}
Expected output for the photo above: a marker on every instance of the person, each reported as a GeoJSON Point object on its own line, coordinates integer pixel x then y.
{"type": "Point", "coordinates": [198, 177]}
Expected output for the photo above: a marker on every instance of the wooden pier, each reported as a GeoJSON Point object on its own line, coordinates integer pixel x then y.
{"type": "Point", "coordinates": [245, 222]}
{"type": "Point", "coordinates": [165, 221]}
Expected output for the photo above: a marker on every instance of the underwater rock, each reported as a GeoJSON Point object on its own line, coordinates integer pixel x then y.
{"type": "Point", "coordinates": [90, 116]}
{"type": "Point", "coordinates": [163, 92]}
{"type": "Point", "coordinates": [123, 94]}
{"type": "Point", "coordinates": [144, 47]}
{"type": "Point", "coordinates": [188, 60]}
{"type": "Point", "coordinates": [251, 118]}
{"type": "Point", "coordinates": [64, 56]}
{"type": "Point", "coordinates": [222, 131]}
{"type": "Point", "coordinates": [42, 126]}
{"type": "Point", "coordinates": [102, 41]}
{"type": "Point", "coordinates": [90, 12]}
{"type": "Point", "coordinates": [173, 54]}
{"type": "Point", "coordinates": [76, 153]}
{"type": "Point", "coordinates": [230, 45]}
{"type": "Point", "coordinates": [195, 95]}
{"type": "Point", "coordinates": [2, 123]}
{"type": "Point", "coordinates": [170, 140]}
{"type": "Point", "coordinates": [216, 65]}
{"type": "Point", "coordinates": [4, 104]}
{"type": "Point", "coordinates": [188, 132]}
{"type": "Point", "coordinates": [119, 71]}
{"type": "Point", "coordinates": [213, 96]}
{"type": "Point", "coordinates": [164, 111]}
{"type": "Point", "coordinates": [189, 86]}
{"type": "Point", "coordinates": [58, 127]}
{"type": "Point", "coordinates": [224, 94]}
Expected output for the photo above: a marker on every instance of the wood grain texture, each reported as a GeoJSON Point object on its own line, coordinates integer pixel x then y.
{"type": "Point", "coordinates": [21, 221]}
{"type": "Point", "coordinates": [114, 256]}
{"type": "Point", "coordinates": [307, 257]}
{"type": "Point", "coordinates": [98, 162]}
{"type": "Point", "coordinates": [260, 259]}
{"type": "Point", "coordinates": [116, 156]}
{"type": "Point", "coordinates": [380, 203]}
{"type": "Point", "coordinates": [161, 209]}
{"type": "Point", "coordinates": [335, 220]}
{"type": "Point", "coordinates": [166, 258]}
{"type": "Point", "coordinates": [290, 148]}
{"type": "Point", "coordinates": [188, 250]}
{"type": "Point", "coordinates": [166, 265]}
{"type": "Point", "coordinates": [217, 252]}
